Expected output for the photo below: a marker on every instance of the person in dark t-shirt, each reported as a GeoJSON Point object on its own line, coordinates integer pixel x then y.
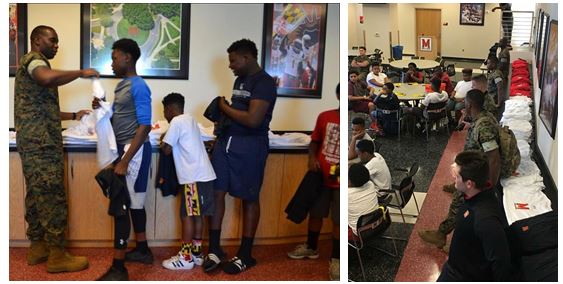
{"type": "Point", "coordinates": [240, 153]}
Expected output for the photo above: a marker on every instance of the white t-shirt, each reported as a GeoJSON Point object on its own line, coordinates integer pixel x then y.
{"type": "Point", "coordinates": [379, 78]}
{"type": "Point", "coordinates": [361, 200]}
{"type": "Point", "coordinates": [190, 158]}
{"type": "Point", "coordinates": [379, 173]}
{"type": "Point", "coordinates": [292, 60]}
{"type": "Point", "coordinates": [432, 98]}
{"type": "Point", "coordinates": [357, 159]}
{"type": "Point", "coordinates": [461, 89]}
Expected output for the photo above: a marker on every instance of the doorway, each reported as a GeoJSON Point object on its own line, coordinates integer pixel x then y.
{"type": "Point", "coordinates": [429, 23]}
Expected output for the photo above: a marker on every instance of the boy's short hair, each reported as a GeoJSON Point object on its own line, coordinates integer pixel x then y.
{"type": "Point", "coordinates": [174, 99]}
{"type": "Point", "coordinates": [435, 83]}
{"type": "Point", "coordinates": [362, 47]}
{"type": "Point", "coordinates": [128, 46]}
{"type": "Point", "coordinates": [474, 166]}
{"type": "Point", "coordinates": [353, 72]}
{"type": "Point", "coordinates": [375, 64]}
{"type": "Point", "coordinates": [389, 86]}
{"type": "Point", "coordinates": [467, 71]}
{"type": "Point", "coordinates": [358, 175]}
{"type": "Point", "coordinates": [365, 146]}
{"type": "Point", "coordinates": [358, 120]}
{"type": "Point", "coordinates": [244, 46]}
{"type": "Point", "coordinates": [412, 64]}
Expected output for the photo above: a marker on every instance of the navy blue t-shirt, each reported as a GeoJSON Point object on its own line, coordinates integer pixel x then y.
{"type": "Point", "coordinates": [259, 86]}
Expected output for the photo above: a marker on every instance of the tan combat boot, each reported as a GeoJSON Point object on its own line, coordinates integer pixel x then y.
{"type": "Point", "coordinates": [38, 252]}
{"type": "Point", "coordinates": [61, 261]}
{"type": "Point", "coordinates": [436, 238]}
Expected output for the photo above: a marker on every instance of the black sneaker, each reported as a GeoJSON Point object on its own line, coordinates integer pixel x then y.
{"type": "Point", "coordinates": [138, 256]}
{"type": "Point", "coordinates": [114, 274]}
{"type": "Point", "coordinates": [211, 262]}
{"type": "Point", "coordinates": [237, 265]}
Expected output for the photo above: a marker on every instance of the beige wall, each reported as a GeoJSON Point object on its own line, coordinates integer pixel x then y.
{"type": "Point", "coordinates": [457, 41]}
{"type": "Point", "coordinates": [213, 28]}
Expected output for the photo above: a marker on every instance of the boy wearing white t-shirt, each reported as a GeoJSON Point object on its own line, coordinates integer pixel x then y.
{"type": "Point", "coordinates": [457, 98]}
{"type": "Point", "coordinates": [362, 196]}
{"type": "Point", "coordinates": [195, 176]}
{"type": "Point", "coordinates": [378, 171]}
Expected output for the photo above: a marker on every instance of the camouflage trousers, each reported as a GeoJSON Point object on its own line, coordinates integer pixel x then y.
{"type": "Point", "coordinates": [45, 201]}
{"type": "Point", "coordinates": [448, 225]}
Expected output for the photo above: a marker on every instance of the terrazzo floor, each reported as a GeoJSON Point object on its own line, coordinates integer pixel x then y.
{"type": "Point", "coordinates": [273, 264]}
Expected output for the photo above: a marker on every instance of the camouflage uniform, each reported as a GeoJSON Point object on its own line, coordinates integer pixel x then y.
{"type": "Point", "coordinates": [493, 79]}
{"type": "Point", "coordinates": [362, 71]}
{"type": "Point", "coordinates": [504, 62]}
{"type": "Point", "coordinates": [489, 104]}
{"type": "Point", "coordinates": [39, 143]}
{"type": "Point", "coordinates": [484, 138]}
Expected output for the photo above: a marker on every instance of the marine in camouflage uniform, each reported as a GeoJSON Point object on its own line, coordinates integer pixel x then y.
{"type": "Point", "coordinates": [362, 71]}
{"type": "Point", "coordinates": [504, 58]}
{"type": "Point", "coordinates": [484, 138]}
{"type": "Point", "coordinates": [494, 78]}
{"type": "Point", "coordinates": [39, 143]}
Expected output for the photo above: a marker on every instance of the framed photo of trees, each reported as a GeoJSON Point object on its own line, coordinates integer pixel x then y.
{"type": "Point", "coordinates": [161, 30]}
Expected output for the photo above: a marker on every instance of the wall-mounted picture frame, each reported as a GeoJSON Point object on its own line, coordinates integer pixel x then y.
{"type": "Point", "coordinates": [538, 38]}
{"type": "Point", "coordinates": [162, 31]}
{"type": "Point", "coordinates": [548, 100]}
{"type": "Point", "coordinates": [472, 14]}
{"type": "Point", "coordinates": [293, 47]}
{"type": "Point", "coordinates": [543, 45]}
{"type": "Point", "coordinates": [18, 35]}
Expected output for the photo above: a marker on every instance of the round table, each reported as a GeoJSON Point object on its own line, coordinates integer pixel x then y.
{"type": "Point", "coordinates": [421, 64]}
{"type": "Point", "coordinates": [406, 91]}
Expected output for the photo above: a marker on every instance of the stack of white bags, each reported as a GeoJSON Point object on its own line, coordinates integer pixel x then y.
{"type": "Point", "coordinates": [523, 197]}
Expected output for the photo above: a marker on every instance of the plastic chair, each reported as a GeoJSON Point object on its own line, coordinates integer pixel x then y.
{"type": "Point", "coordinates": [371, 226]}
{"type": "Point", "coordinates": [403, 192]}
{"type": "Point", "coordinates": [435, 113]}
{"type": "Point", "coordinates": [399, 117]}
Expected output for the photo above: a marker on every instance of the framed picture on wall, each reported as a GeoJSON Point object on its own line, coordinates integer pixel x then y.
{"type": "Point", "coordinates": [539, 33]}
{"type": "Point", "coordinates": [293, 47]}
{"type": "Point", "coordinates": [161, 30]}
{"type": "Point", "coordinates": [543, 46]}
{"type": "Point", "coordinates": [18, 35]}
{"type": "Point", "coordinates": [548, 100]}
{"type": "Point", "coordinates": [472, 14]}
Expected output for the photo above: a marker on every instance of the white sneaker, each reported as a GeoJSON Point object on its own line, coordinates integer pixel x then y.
{"type": "Point", "coordinates": [178, 262]}
{"type": "Point", "coordinates": [198, 259]}
{"type": "Point", "coordinates": [302, 251]}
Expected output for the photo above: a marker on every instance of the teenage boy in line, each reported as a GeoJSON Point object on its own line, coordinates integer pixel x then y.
{"type": "Point", "coordinates": [195, 175]}
{"type": "Point", "coordinates": [131, 122]}
{"type": "Point", "coordinates": [324, 156]}
{"type": "Point", "coordinates": [240, 153]}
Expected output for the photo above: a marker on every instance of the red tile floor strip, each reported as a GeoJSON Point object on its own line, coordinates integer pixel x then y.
{"type": "Point", "coordinates": [273, 264]}
{"type": "Point", "coordinates": [421, 261]}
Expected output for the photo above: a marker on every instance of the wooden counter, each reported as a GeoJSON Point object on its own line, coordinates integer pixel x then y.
{"type": "Point", "coordinates": [89, 225]}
